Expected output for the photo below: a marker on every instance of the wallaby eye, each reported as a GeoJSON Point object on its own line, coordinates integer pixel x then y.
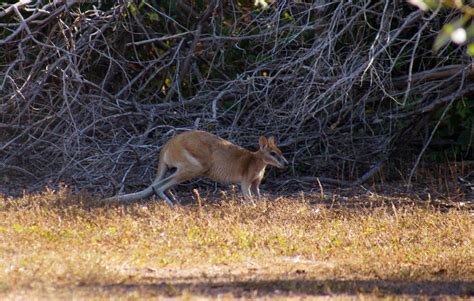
{"type": "Point", "coordinates": [273, 154]}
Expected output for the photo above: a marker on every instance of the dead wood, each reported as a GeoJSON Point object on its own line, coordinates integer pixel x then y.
{"type": "Point", "coordinates": [89, 94]}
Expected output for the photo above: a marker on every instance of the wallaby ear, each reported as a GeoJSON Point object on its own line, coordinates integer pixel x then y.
{"type": "Point", "coordinates": [271, 140]}
{"type": "Point", "coordinates": [263, 142]}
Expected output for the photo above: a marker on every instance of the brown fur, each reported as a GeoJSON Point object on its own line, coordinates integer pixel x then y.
{"type": "Point", "coordinates": [199, 153]}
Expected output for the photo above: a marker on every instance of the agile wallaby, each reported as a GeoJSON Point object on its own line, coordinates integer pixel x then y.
{"type": "Point", "coordinates": [199, 153]}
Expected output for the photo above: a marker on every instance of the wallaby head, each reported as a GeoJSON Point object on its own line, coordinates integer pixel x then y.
{"type": "Point", "coordinates": [271, 154]}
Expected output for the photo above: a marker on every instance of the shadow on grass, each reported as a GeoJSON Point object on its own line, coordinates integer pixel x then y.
{"type": "Point", "coordinates": [357, 200]}
{"type": "Point", "coordinates": [293, 287]}
{"type": "Point", "coordinates": [354, 198]}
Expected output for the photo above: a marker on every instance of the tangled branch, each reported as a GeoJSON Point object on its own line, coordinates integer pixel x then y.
{"type": "Point", "coordinates": [90, 94]}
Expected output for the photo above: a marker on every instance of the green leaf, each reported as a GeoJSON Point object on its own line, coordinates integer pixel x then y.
{"type": "Point", "coordinates": [132, 7]}
{"type": "Point", "coordinates": [470, 31]}
{"type": "Point", "coordinates": [442, 39]}
{"type": "Point", "coordinates": [444, 36]}
{"type": "Point", "coordinates": [153, 17]}
{"type": "Point", "coordinates": [470, 49]}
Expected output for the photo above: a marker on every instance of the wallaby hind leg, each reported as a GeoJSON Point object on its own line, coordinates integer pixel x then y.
{"type": "Point", "coordinates": [162, 195]}
{"type": "Point", "coordinates": [178, 177]}
{"type": "Point", "coordinates": [161, 180]}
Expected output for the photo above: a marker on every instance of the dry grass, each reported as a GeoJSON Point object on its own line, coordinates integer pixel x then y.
{"type": "Point", "coordinates": [54, 245]}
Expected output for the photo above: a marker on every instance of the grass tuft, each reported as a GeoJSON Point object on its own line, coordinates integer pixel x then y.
{"type": "Point", "coordinates": [56, 244]}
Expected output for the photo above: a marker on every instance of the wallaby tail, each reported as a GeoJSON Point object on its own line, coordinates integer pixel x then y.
{"type": "Point", "coordinates": [131, 196]}
{"type": "Point", "coordinates": [147, 192]}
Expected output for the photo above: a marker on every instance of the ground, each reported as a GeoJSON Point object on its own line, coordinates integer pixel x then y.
{"type": "Point", "coordinates": [56, 245]}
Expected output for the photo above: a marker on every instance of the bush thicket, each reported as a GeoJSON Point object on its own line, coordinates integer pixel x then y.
{"type": "Point", "coordinates": [90, 90]}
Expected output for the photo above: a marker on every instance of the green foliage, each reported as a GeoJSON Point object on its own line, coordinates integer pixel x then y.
{"type": "Point", "coordinates": [154, 17]}
{"type": "Point", "coordinates": [132, 7]}
{"type": "Point", "coordinates": [470, 49]}
{"type": "Point", "coordinates": [455, 136]}
{"type": "Point", "coordinates": [460, 31]}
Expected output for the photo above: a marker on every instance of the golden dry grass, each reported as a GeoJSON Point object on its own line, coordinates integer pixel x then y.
{"type": "Point", "coordinates": [57, 246]}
